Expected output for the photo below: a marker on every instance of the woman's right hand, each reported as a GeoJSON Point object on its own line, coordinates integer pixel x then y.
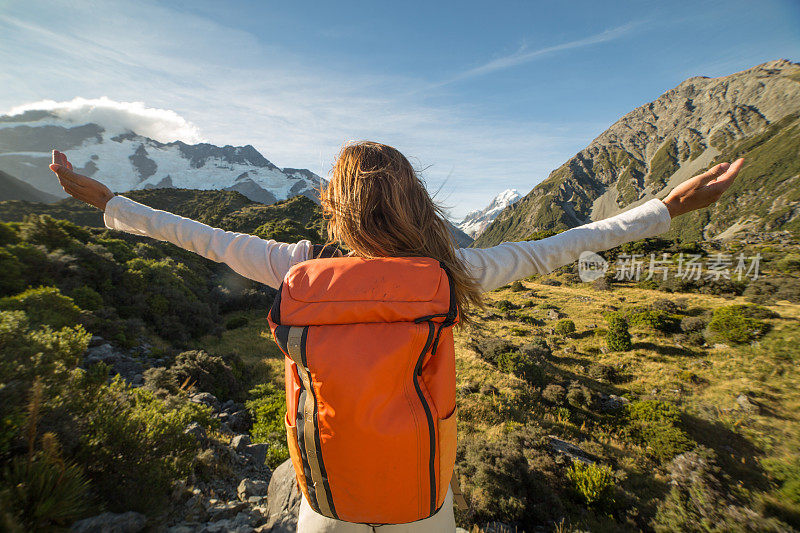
{"type": "Point", "coordinates": [703, 190]}
{"type": "Point", "coordinates": [78, 186]}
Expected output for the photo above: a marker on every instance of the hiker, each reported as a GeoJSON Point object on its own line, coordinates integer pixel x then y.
{"type": "Point", "coordinates": [370, 365]}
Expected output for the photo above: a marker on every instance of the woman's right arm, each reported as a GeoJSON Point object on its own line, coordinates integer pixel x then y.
{"type": "Point", "coordinates": [265, 261]}
{"type": "Point", "coordinates": [510, 261]}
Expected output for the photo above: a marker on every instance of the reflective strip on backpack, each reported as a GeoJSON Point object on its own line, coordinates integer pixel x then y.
{"type": "Point", "coordinates": [307, 419]}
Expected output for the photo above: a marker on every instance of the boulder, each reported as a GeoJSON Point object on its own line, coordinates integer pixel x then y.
{"type": "Point", "coordinates": [570, 450]}
{"type": "Point", "coordinates": [251, 487]}
{"type": "Point", "coordinates": [195, 429]}
{"type": "Point", "coordinates": [240, 421]}
{"type": "Point", "coordinates": [746, 404]}
{"type": "Point", "coordinates": [258, 452]}
{"type": "Point", "coordinates": [130, 522]}
{"type": "Point", "coordinates": [205, 398]}
{"type": "Point", "coordinates": [283, 497]}
{"type": "Point", "coordinates": [612, 402]}
{"type": "Point", "coordinates": [240, 443]}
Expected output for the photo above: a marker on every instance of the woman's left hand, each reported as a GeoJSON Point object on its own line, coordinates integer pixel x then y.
{"type": "Point", "coordinates": [703, 190]}
{"type": "Point", "coordinates": [79, 186]}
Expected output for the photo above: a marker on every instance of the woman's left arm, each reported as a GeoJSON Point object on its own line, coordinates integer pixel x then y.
{"type": "Point", "coordinates": [510, 261]}
{"type": "Point", "coordinates": [265, 261]}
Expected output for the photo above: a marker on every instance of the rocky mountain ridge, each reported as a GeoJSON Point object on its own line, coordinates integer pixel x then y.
{"type": "Point", "coordinates": [753, 114]}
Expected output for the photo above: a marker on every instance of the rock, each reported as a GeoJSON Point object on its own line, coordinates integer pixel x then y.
{"type": "Point", "coordinates": [488, 389]}
{"type": "Point", "coordinates": [569, 349]}
{"type": "Point", "coordinates": [205, 398]}
{"type": "Point", "coordinates": [612, 402]}
{"type": "Point", "coordinates": [240, 421]}
{"type": "Point", "coordinates": [604, 349]}
{"type": "Point", "coordinates": [552, 314]}
{"type": "Point", "coordinates": [747, 404]}
{"type": "Point", "coordinates": [570, 450]}
{"type": "Point", "coordinates": [258, 452]}
{"type": "Point", "coordinates": [283, 497]}
{"type": "Point", "coordinates": [251, 487]}
{"type": "Point", "coordinates": [550, 282]}
{"type": "Point", "coordinates": [240, 443]}
{"type": "Point", "coordinates": [130, 522]}
{"type": "Point", "coordinates": [96, 340]}
{"type": "Point", "coordinates": [195, 429]}
{"type": "Point", "coordinates": [224, 510]}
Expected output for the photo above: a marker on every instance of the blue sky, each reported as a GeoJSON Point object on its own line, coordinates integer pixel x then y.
{"type": "Point", "coordinates": [484, 96]}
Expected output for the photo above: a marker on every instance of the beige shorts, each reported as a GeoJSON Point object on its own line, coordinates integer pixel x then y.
{"type": "Point", "coordinates": [443, 521]}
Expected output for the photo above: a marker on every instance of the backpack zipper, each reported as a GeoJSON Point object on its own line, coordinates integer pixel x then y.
{"type": "Point", "coordinates": [429, 416]}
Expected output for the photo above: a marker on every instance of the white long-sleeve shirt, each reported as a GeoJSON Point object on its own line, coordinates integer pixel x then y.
{"type": "Point", "coordinates": [267, 261]}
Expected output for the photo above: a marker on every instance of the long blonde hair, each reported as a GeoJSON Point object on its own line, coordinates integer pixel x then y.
{"type": "Point", "coordinates": [377, 206]}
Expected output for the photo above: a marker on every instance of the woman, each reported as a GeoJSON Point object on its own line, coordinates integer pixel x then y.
{"type": "Point", "coordinates": [376, 206]}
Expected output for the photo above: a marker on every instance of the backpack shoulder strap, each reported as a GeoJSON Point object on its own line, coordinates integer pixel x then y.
{"type": "Point", "coordinates": [324, 251]}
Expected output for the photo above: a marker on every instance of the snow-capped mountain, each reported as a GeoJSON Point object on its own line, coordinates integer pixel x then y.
{"type": "Point", "coordinates": [477, 221]}
{"type": "Point", "coordinates": [125, 160]}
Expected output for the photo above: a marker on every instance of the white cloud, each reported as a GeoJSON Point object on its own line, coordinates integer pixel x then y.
{"type": "Point", "coordinates": [523, 55]}
{"type": "Point", "coordinates": [239, 90]}
{"type": "Point", "coordinates": [162, 125]}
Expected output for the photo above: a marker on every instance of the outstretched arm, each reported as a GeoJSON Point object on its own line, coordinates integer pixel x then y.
{"type": "Point", "coordinates": [265, 261]}
{"type": "Point", "coordinates": [510, 261]}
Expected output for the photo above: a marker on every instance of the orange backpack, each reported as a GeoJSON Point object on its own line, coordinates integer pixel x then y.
{"type": "Point", "coordinates": [370, 385]}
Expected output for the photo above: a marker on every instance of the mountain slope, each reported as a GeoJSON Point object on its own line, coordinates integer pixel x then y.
{"type": "Point", "coordinates": [476, 221]}
{"type": "Point", "coordinates": [286, 221]}
{"type": "Point", "coordinates": [12, 188]}
{"type": "Point", "coordinates": [127, 161]}
{"type": "Point", "coordinates": [753, 113]}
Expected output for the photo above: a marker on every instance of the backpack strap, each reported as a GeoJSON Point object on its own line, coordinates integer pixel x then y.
{"type": "Point", "coordinates": [458, 497]}
{"type": "Point", "coordinates": [325, 251]}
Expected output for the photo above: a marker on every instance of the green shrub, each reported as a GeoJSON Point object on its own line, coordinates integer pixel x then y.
{"type": "Point", "coordinates": [692, 324]}
{"type": "Point", "coordinates": [618, 338]}
{"type": "Point", "coordinates": [236, 322]}
{"type": "Point", "coordinates": [11, 278]}
{"type": "Point", "coordinates": [594, 483]}
{"type": "Point", "coordinates": [530, 319]}
{"type": "Point", "coordinates": [537, 348]}
{"type": "Point", "coordinates": [654, 319]}
{"type": "Point", "coordinates": [602, 372]}
{"type": "Point", "coordinates": [554, 393]}
{"type": "Point", "coordinates": [521, 366]}
{"type": "Point", "coordinates": [564, 326]}
{"type": "Point", "coordinates": [129, 439]}
{"type": "Point", "coordinates": [208, 373]}
{"type": "Point", "coordinates": [733, 323]}
{"type": "Point", "coordinates": [518, 331]}
{"type": "Point", "coordinates": [657, 426]}
{"type": "Point", "coordinates": [44, 305]}
{"type": "Point", "coordinates": [491, 348]}
{"type": "Point", "coordinates": [44, 493]}
{"type": "Point", "coordinates": [517, 286]}
{"type": "Point", "coordinates": [506, 305]}
{"type": "Point", "coordinates": [579, 395]}
{"type": "Point", "coordinates": [268, 409]}
{"type": "Point", "coordinates": [510, 478]}
{"type": "Point", "coordinates": [701, 499]}
{"type": "Point", "coordinates": [87, 298]}
{"type": "Point", "coordinates": [47, 231]}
